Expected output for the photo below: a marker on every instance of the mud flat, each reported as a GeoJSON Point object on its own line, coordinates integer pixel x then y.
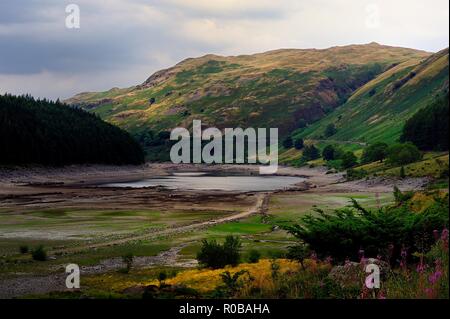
{"type": "Point", "coordinates": [79, 221]}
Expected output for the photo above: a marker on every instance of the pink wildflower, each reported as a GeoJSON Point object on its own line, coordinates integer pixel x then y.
{"type": "Point", "coordinates": [403, 254]}
{"type": "Point", "coordinates": [421, 267]}
{"type": "Point", "coordinates": [381, 295]}
{"type": "Point", "coordinates": [436, 234]}
{"type": "Point", "coordinates": [434, 277]}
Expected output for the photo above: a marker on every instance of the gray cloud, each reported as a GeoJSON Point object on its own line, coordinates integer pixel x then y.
{"type": "Point", "coordinates": [121, 42]}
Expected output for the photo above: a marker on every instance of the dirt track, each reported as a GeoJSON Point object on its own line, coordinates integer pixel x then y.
{"type": "Point", "coordinates": [258, 208]}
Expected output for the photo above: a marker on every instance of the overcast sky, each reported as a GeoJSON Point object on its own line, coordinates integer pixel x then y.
{"type": "Point", "coordinates": [121, 42]}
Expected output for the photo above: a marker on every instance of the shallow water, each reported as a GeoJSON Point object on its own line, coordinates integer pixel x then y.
{"type": "Point", "coordinates": [203, 181]}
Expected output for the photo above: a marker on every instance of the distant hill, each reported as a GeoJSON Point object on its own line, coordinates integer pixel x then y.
{"type": "Point", "coordinates": [378, 110]}
{"type": "Point", "coordinates": [50, 133]}
{"type": "Point", "coordinates": [275, 88]}
{"type": "Point", "coordinates": [366, 91]}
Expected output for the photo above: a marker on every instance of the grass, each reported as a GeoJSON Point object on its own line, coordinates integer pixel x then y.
{"type": "Point", "coordinates": [252, 225]}
{"type": "Point", "coordinates": [380, 117]}
{"type": "Point", "coordinates": [289, 279]}
{"type": "Point", "coordinates": [286, 208]}
{"type": "Point", "coordinates": [72, 229]}
{"type": "Point", "coordinates": [94, 224]}
{"type": "Point", "coordinates": [433, 164]}
{"type": "Point", "coordinates": [265, 90]}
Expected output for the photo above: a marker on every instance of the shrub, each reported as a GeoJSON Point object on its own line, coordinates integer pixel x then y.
{"type": "Point", "coordinates": [330, 130]}
{"type": "Point", "coordinates": [128, 261]}
{"type": "Point", "coordinates": [374, 152]}
{"type": "Point", "coordinates": [310, 152]}
{"type": "Point", "coordinates": [162, 276]}
{"type": "Point", "coordinates": [349, 160]}
{"type": "Point", "coordinates": [231, 250]}
{"type": "Point", "coordinates": [288, 143]}
{"type": "Point", "coordinates": [400, 197]}
{"type": "Point", "coordinates": [215, 255]}
{"type": "Point", "coordinates": [299, 252]}
{"type": "Point", "coordinates": [328, 153]}
{"type": "Point", "coordinates": [402, 154]}
{"type": "Point", "coordinates": [302, 123]}
{"type": "Point", "coordinates": [299, 143]}
{"type": "Point", "coordinates": [346, 231]}
{"type": "Point", "coordinates": [39, 254]}
{"type": "Point", "coordinates": [254, 256]}
{"type": "Point", "coordinates": [23, 249]}
{"type": "Point", "coordinates": [233, 283]}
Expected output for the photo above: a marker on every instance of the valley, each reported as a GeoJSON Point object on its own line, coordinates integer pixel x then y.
{"type": "Point", "coordinates": [80, 222]}
{"type": "Point", "coordinates": [362, 169]}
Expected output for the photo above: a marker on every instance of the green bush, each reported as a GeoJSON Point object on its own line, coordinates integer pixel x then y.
{"type": "Point", "coordinates": [349, 160]}
{"type": "Point", "coordinates": [254, 256]}
{"type": "Point", "coordinates": [299, 144]}
{"type": "Point", "coordinates": [39, 254]}
{"type": "Point", "coordinates": [374, 152]}
{"type": "Point", "coordinates": [302, 123]}
{"type": "Point", "coordinates": [402, 154]}
{"type": "Point", "coordinates": [128, 260]}
{"type": "Point", "coordinates": [162, 276]}
{"type": "Point", "coordinates": [232, 283]}
{"type": "Point", "coordinates": [215, 255]}
{"type": "Point", "coordinates": [299, 252]}
{"type": "Point", "coordinates": [310, 152]}
{"type": "Point", "coordinates": [400, 197]}
{"type": "Point", "coordinates": [344, 232]}
{"type": "Point", "coordinates": [328, 153]}
{"type": "Point", "coordinates": [24, 249]}
{"type": "Point", "coordinates": [330, 130]}
{"type": "Point", "coordinates": [287, 142]}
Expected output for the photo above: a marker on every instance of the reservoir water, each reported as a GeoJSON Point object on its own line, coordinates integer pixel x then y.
{"type": "Point", "coordinates": [204, 181]}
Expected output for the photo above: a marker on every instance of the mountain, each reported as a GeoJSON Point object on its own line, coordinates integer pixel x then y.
{"type": "Point", "coordinates": [50, 133]}
{"type": "Point", "coordinates": [274, 89]}
{"type": "Point", "coordinates": [378, 110]}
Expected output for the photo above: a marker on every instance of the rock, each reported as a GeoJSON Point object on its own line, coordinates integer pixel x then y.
{"type": "Point", "coordinates": [136, 290]}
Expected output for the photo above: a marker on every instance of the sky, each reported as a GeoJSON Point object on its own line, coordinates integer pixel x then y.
{"type": "Point", "coordinates": [120, 43]}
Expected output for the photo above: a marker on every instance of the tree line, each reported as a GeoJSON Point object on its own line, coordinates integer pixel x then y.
{"type": "Point", "coordinates": [428, 128]}
{"type": "Point", "coordinates": [39, 131]}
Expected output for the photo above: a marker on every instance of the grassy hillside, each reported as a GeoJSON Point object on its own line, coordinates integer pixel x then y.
{"type": "Point", "coordinates": [272, 89]}
{"type": "Point", "coordinates": [50, 133]}
{"type": "Point", "coordinates": [378, 110]}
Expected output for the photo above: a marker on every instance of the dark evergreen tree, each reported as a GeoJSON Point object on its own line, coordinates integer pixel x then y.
{"type": "Point", "coordinates": [288, 143]}
{"type": "Point", "coordinates": [428, 128]}
{"type": "Point", "coordinates": [51, 133]}
{"type": "Point", "coordinates": [302, 123]}
{"type": "Point", "coordinates": [310, 152]}
{"type": "Point", "coordinates": [349, 160]}
{"type": "Point", "coordinates": [299, 143]}
{"type": "Point", "coordinates": [402, 154]}
{"type": "Point", "coordinates": [328, 153]}
{"type": "Point", "coordinates": [330, 130]}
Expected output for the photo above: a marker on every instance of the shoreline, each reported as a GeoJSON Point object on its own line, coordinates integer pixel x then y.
{"type": "Point", "coordinates": [23, 179]}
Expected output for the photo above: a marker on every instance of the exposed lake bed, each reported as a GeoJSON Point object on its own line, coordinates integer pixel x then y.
{"type": "Point", "coordinates": [93, 214]}
{"type": "Point", "coordinates": [203, 181]}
